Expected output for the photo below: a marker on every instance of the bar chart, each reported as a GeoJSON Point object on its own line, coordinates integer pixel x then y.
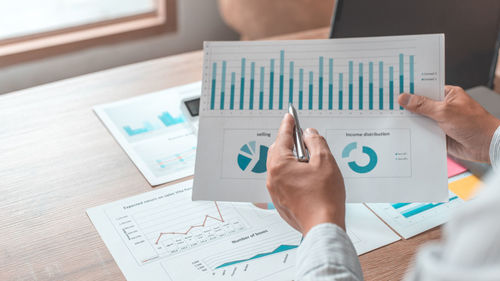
{"type": "Point", "coordinates": [348, 90]}
{"type": "Point", "coordinates": [154, 133]}
{"type": "Point", "coordinates": [408, 210]}
{"type": "Point", "coordinates": [326, 81]}
{"type": "Point", "coordinates": [165, 118]}
{"type": "Point", "coordinates": [410, 219]}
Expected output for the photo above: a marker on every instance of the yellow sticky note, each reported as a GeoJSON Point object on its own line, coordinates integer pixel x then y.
{"type": "Point", "coordinates": [465, 188]}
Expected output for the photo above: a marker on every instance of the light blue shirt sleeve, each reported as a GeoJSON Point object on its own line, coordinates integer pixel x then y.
{"type": "Point", "coordinates": [495, 150]}
{"type": "Point", "coordinates": [327, 253]}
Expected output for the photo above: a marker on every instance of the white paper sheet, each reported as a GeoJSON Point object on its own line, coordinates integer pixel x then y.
{"type": "Point", "coordinates": [410, 219]}
{"type": "Point", "coordinates": [153, 132]}
{"type": "Point", "coordinates": [348, 90]}
{"type": "Point", "coordinates": [367, 232]}
{"type": "Point", "coordinates": [163, 235]}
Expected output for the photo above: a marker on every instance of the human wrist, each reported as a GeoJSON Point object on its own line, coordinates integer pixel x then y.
{"type": "Point", "coordinates": [324, 215]}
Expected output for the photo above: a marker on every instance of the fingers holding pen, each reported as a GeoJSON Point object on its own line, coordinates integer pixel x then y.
{"type": "Point", "coordinates": [317, 145]}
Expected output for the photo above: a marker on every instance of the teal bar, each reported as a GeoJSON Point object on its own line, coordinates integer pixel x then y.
{"type": "Point", "coordinates": [261, 94]}
{"type": "Point", "coordinates": [400, 205]}
{"type": "Point", "coordinates": [242, 83]}
{"type": "Point", "coordinates": [223, 84]}
{"type": "Point", "coordinates": [271, 84]}
{"type": "Point", "coordinates": [214, 74]}
{"type": "Point", "coordinates": [231, 98]}
{"type": "Point", "coordinates": [391, 87]}
{"type": "Point", "coordinates": [380, 85]}
{"type": "Point", "coordinates": [370, 85]}
{"type": "Point", "coordinates": [401, 75]}
{"type": "Point", "coordinates": [252, 77]}
{"type": "Point", "coordinates": [412, 82]}
{"type": "Point", "coordinates": [341, 89]}
{"type": "Point", "coordinates": [301, 88]}
{"type": "Point", "coordinates": [350, 84]}
{"type": "Point", "coordinates": [320, 85]}
{"type": "Point", "coordinates": [360, 86]}
{"type": "Point", "coordinates": [330, 84]}
{"type": "Point", "coordinates": [422, 208]}
{"type": "Point", "coordinates": [310, 90]}
{"type": "Point", "coordinates": [282, 68]}
{"type": "Point", "coordinates": [290, 86]}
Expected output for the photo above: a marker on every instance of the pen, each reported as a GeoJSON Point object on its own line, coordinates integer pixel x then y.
{"type": "Point", "coordinates": [300, 147]}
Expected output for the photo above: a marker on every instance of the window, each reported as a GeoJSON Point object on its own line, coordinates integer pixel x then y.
{"type": "Point", "coordinates": [34, 28]}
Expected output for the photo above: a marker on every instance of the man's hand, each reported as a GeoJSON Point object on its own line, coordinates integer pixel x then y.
{"type": "Point", "coordinates": [468, 126]}
{"type": "Point", "coordinates": [305, 194]}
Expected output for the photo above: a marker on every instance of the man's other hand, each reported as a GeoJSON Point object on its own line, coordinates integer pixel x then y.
{"type": "Point", "coordinates": [468, 126]}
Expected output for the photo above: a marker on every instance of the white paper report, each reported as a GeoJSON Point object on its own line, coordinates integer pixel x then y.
{"type": "Point", "coordinates": [345, 88]}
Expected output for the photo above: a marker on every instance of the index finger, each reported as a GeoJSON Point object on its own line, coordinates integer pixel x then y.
{"type": "Point", "coordinates": [284, 140]}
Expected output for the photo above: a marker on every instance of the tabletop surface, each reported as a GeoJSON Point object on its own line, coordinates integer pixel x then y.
{"type": "Point", "coordinates": [57, 160]}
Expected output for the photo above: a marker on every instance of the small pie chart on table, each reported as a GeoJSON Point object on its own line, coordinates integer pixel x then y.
{"type": "Point", "coordinates": [252, 157]}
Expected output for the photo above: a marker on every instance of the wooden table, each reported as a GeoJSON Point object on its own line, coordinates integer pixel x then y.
{"type": "Point", "coordinates": [57, 160]}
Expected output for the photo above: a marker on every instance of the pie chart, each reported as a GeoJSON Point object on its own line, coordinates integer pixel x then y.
{"type": "Point", "coordinates": [252, 157]}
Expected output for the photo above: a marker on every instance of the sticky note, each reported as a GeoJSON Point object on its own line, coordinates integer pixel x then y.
{"type": "Point", "coordinates": [454, 168]}
{"type": "Point", "coordinates": [466, 187]}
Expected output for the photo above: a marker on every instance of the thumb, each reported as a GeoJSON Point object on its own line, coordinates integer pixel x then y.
{"type": "Point", "coordinates": [316, 144]}
{"type": "Point", "coordinates": [419, 104]}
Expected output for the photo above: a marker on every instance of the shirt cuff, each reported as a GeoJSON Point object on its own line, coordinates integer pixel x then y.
{"type": "Point", "coordinates": [327, 253]}
{"type": "Point", "coordinates": [495, 150]}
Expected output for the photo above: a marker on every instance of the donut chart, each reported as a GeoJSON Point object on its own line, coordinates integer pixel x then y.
{"type": "Point", "coordinates": [355, 166]}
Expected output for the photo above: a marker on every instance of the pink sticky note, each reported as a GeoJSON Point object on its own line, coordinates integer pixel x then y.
{"type": "Point", "coordinates": [454, 168]}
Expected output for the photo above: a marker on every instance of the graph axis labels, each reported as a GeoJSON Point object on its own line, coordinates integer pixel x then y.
{"type": "Point", "coordinates": [140, 262]}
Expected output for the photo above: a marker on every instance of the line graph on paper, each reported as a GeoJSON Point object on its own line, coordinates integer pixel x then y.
{"type": "Point", "coordinates": [173, 227]}
{"type": "Point", "coordinates": [218, 218]}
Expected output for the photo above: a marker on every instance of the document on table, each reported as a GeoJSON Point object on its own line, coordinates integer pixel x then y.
{"type": "Point", "coordinates": [410, 219]}
{"type": "Point", "coordinates": [348, 90]}
{"type": "Point", "coordinates": [367, 232]}
{"type": "Point", "coordinates": [454, 168]}
{"type": "Point", "coordinates": [163, 235]}
{"type": "Point", "coordinates": [153, 132]}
